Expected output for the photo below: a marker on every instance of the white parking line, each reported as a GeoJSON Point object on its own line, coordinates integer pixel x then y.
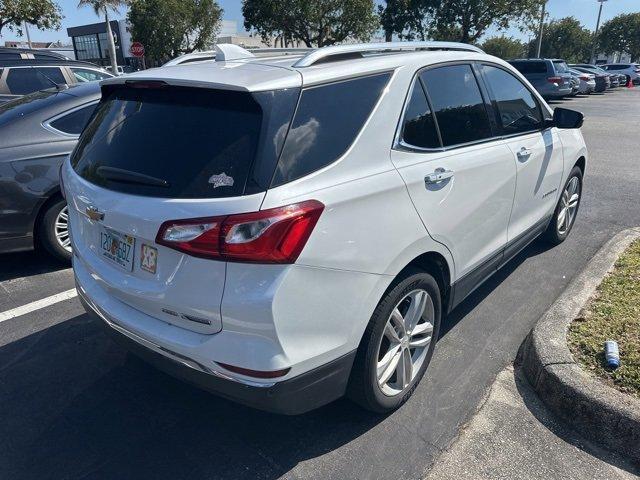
{"type": "Point", "coordinates": [37, 305]}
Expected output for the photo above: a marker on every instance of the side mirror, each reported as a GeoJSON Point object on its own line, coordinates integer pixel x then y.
{"type": "Point", "coordinates": [565, 118]}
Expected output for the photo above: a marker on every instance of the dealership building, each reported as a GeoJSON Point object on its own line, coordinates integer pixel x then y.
{"type": "Point", "coordinates": [90, 41]}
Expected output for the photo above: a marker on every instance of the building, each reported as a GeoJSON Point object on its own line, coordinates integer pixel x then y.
{"type": "Point", "coordinates": [90, 43]}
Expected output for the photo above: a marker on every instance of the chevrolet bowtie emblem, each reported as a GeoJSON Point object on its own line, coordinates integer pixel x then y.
{"type": "Point", "coordinates": [94, 214]}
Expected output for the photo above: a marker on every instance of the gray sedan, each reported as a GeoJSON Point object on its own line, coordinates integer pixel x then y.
{"type": "Point", "coordinates": [37, 132]}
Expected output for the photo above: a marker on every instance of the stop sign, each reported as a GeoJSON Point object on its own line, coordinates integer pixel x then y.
{"type": "Point", "coordinates": [137, 49]}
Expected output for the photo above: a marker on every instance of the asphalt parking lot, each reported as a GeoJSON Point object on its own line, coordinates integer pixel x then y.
{"type": "Point", "coordinates": [74, 405]}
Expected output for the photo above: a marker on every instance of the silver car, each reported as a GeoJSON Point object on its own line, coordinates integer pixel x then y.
{"type": "Point", "coordinates": [630, 70]}
{"type": "Point", "coordinates": [587, 81]}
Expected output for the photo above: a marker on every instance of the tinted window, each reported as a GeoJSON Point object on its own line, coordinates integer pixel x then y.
{"type": "Point", "coordinates": [10, 56]}
{"type": "Point", "coordinates": [203, 143]}
{"type": "Point", "coordinates": [26, 80]}
{"type": "Point", "coordinates": [457, 103]}
{"type": "Point", "coordinates": [561, 66]}
{"type": "Point", "coordinates": [86, 75]}
{"type": "Point", "coordinates": [74, 122]}
{"type": "Point", "coordinates": [418, 128]}
{"type": "Point", "coordinates": [530, 67]}
{"type": "Point", "coordinates": [517, 108]}
{"type": "Point", "coordinates": [327, 120]}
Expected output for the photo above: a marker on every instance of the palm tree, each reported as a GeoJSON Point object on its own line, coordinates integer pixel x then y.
{"type": "Point", "coordinates": [103, 6]}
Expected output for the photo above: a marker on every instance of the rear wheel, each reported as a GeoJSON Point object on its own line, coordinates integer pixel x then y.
{"type": "Point", "coordinates": [53, 231]}
{"type": "Point", "coordinates": [398, 344]}
{"type": "Point", "coordinates": [567, 209]}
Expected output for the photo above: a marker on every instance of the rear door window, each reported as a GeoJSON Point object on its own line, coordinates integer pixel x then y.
{"type": "Point", "coordinates": [87, 75]}
{"type": "Point", "coordinates": [327, 121]}
{"type": "Point", "coordinates": [418, 126]}
{"type": "Point", "coordinates": [457, 103]}
{"type": "Point", "coordinates": [517, 108]}
{"type": "Point", "coordinates": [22, 81]}
{"type": "Point", "coordinates": [73, 123]}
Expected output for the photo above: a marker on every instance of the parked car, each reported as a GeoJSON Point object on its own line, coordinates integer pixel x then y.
{"type": "Point", "coordinates": [587, 81]}
{"type": "Point", "coordinates": [9, 53]}
{"type": "Point", "coordinates": [603, 79]}
{"type": "Point", "coordinates": [547, 76]}
{"type": "Point", "coordinates": [629, 70]}
{"type": "Point", "coordinates": [21, 77]}
{"type": "Point", "coordinates": [37, 131]}
{"type": "Point", "coordinates": [274, 250]}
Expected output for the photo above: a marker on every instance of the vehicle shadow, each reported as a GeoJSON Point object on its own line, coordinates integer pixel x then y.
{"type": "Point", "coordinates": [560, 428]}
{"type": "Point", "coordinates": [536, 248]}
{"type": "Point", "coordinates": [28, 264]}
{"type": "Point", "coordinates": [76, 404]}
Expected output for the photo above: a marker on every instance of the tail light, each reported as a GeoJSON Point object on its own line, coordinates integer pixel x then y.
{"type": "Point", "coordinates": [554, 79]}
{"type": "Point", "coordinates": [585, 78]}
{"type": "Point", "coordinates": [277, 235]}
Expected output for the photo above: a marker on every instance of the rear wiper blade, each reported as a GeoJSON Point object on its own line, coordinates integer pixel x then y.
{"type": "Point", "coordinates": [127, 176]}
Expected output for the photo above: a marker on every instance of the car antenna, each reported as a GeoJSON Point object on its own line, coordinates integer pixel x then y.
{"type": "Point", "coordinates": [58, 86]}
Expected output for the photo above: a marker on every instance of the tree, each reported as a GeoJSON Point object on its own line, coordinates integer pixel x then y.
{"type": "Point", "coordinates": [621, 34]}
{"type": "Point", "coordinates": [467, 20]}
{"type": "Point", "coordinates": [567, 39]}
{"type": "Point", "coordinates": [402, 18]}
{"type": "Point", "coordinates": [504, 47]}
{"type": "Point", "coordinates": [169, 28]}
{"type": "Point", "coordinates": [43, 14]}
{"type": "Point", "coordinates": [100, 7]}
{"type": "Point", "coordinates": [318, 22]}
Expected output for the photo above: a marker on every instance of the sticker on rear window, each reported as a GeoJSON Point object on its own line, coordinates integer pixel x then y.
{"type": "Point", "coordinates": [222, 180]}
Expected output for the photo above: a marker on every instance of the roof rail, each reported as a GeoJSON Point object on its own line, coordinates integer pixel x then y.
{"type": "Point", "coordinates": [323, 54]}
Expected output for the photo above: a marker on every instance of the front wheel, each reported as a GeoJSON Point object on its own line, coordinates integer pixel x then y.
{"type": "Point", "coordinates": [567, 209]}
{"type": "Point", "coordinates": [398, 344]}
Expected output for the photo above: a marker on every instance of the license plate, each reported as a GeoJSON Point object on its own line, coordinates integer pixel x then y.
{"type": "Point", "coordinates": [117, 248]}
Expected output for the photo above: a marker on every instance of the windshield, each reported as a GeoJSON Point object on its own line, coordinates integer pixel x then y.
{"type": "Point", "coordinates": [192, 143]}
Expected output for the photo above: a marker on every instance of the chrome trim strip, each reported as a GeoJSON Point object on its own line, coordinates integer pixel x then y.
{"type": "Point", "coordinates": [177, 357]}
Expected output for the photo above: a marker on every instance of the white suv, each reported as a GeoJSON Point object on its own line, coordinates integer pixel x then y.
{"type": "Point", "coordinates": [285, 230]}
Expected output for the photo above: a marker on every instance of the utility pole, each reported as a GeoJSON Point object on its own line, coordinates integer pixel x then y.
{"type": "Point", "coordinates": [595, 35]}
{"type": "Point", "coordinates": [26, 29]}
{"type": "Point", "coordinates": [541, 29]}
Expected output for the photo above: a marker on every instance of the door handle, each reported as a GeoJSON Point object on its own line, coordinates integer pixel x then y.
{"type": "Point", "coordinates": [524, 153]}
{"type": "Point", "coordinates": [438, 176]}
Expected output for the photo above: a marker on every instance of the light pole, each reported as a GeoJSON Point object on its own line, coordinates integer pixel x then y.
{"type": "Point", "coordinates": [26, 29]}
{"type": "Point", "coordinates": [541, 29]}
{"type": "Point", "coordinates": [595, 35]}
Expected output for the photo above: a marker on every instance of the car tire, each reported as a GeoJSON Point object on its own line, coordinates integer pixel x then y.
{"type": "Point", "coordinates": [566, 211]}
{"type": "Point", "coordinates": [367, 385]}
{"type": "Point", "coordinates": [51, 231]}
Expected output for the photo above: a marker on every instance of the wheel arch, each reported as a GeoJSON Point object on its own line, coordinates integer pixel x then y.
{"type": "Point", "coordinates": [435, 264]}
{"type": "Point", "coordinates": [53, 196]}
{"type": "Point", "coordinates": [581, 163]}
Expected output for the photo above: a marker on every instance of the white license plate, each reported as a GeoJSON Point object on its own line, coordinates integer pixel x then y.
{"type": "Point", "coordinates": [117, 248]}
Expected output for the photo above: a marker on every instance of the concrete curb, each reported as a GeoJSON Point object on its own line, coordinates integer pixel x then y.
{"type": "Point", "coordinates": [598, 412]}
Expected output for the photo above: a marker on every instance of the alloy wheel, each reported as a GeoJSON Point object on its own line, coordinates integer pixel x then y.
{"type": "Point", "coordinates": [61, 229]}
{"type": "Point", "coordinates": [405, 342]}
{"type": "Point", "coordinates": [568, 206]}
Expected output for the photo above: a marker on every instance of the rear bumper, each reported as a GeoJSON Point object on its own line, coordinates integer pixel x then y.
{"type": "Point", "coordinates": [294, 396]}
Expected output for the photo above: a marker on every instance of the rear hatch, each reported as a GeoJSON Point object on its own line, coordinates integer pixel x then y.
{"type": "Point", "coordinates": [154, 153]}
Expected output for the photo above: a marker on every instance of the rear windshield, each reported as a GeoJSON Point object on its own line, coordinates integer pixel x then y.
{"type": "Point", "coordinates": [530, 67]}
{"type": "Point", "coordinates": [183, 142]}
{"type": "Point", "coordinates": [561, 66]}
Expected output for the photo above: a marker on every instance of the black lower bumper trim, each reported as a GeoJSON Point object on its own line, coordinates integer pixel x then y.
{"type": "Point", "coordinates": [289, 397]}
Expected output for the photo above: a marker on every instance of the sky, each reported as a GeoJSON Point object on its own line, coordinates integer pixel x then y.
{"type": "Point", "coordinates": [585, 10]}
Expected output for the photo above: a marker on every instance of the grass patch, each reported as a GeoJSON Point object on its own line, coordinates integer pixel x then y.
{"type": "Point", "coordinates": [613, 314]}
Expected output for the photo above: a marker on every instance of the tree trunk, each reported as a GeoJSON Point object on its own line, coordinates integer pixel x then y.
{"type": "Point", "coordinates": [388, 36]}
{"type": "Point", "coordinates": [112, 44]}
